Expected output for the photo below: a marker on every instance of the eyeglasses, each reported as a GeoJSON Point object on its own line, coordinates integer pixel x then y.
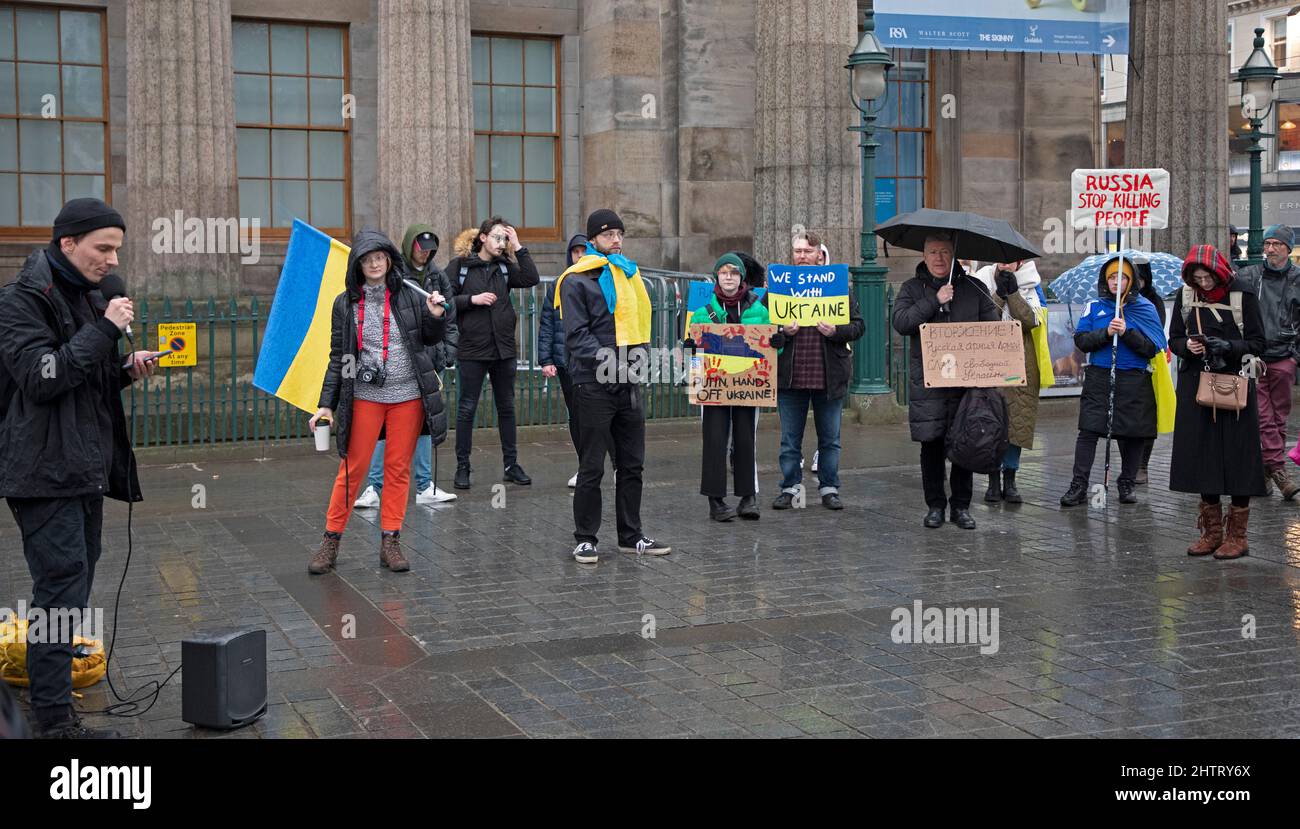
{"type": "Point", "coordinates": [1274, 244]}
{"type": "Point", "coordinates": [374, 259]}
{"type": "Point", "coordinates": [499, 238]}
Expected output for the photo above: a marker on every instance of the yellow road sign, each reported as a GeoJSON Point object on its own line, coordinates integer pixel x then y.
{"type": "Point", "coordinates": [182, 338]}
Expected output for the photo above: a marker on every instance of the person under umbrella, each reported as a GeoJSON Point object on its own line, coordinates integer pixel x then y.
{"type": "Point", "coordinates": [1119, 330]}
{"type": "Point", "coordinates": [1216, 452]}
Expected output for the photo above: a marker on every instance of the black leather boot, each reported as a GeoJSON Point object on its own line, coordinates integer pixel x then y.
{"type": "Point", "coordinates": [719, 511]}
{"type": "Point", "coordinates": [994, 493]}
{"type": "Point", "coordinates": [1009, 492]}
{"type": "Point", "coordinates": [748, 508]}
{"type": "Point", "coordinates": [1076, 494]}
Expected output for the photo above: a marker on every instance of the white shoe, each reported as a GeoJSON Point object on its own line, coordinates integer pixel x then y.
{"type": "Point", "coordinates": [816, 452]}
{"type": "Point", "coordinates": [433, 495]}
{"type": "Point", "coordinates": [573, 482]}
{"type": "Point", "coordinates": [369, 499]}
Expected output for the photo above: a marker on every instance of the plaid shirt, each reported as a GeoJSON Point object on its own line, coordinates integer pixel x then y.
{"type": "Point", "coordinates": [809, 368]}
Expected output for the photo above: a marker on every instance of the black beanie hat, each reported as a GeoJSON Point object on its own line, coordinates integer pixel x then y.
{"type": "Point", "coordinates": [602, 220]}
{"type": "Point", "coordinates": [84, 215]}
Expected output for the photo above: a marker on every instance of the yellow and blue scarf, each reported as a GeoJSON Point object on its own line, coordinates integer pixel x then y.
{"type": "Point", "coordinates": [624, 292]}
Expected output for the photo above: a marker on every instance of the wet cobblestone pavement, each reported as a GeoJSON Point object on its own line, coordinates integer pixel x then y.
{"type": "Point", "coordinates": [775, 628]}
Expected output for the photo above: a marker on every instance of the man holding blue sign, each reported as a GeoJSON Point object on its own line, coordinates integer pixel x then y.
{"type": "Point", "coordinates": [812, 304]}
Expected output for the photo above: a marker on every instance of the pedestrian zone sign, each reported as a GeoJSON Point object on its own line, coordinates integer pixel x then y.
{"type": "Point", "coordinates": [181, 338]}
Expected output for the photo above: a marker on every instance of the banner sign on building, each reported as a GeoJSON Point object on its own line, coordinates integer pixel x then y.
{"type": "Point", "coordinates": [1097, 27]}
{"type": "Point", "coordinates": [1129, 199]}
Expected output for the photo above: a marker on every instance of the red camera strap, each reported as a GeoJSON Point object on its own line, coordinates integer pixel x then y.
{"type": "Point", "coordinates": [361, 323]}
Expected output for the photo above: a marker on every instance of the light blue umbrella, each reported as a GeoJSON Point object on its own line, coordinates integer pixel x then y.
{"type": "Point", "coordinates": [1079, 284]}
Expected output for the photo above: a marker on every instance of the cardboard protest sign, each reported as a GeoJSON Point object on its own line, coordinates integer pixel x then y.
{"type": "Point", "coordinates": [733, 365]}
{"type": "Point", "coordinates": [808, 294]}
{"type": "Point", "coordinates": [972, 354]}
{"type": "Point", "coordinates": [1120, 199]}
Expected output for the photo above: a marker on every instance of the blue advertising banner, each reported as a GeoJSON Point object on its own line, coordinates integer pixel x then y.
{"type": "Point", "coordinates": [1084, 26]}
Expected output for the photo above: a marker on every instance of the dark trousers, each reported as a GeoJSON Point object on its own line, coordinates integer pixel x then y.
{"type": "Point", "coordinates": [734, 425]}
{"type": "Point", "coordinates": [566, 386]}
{"type": "Point", "coordinates": [609, 414]}
{"type": "Point", "coordinates": [469, 386]}
{"type": "Point", "coordinates": [61, 544]}
{"type": "Point", "coordinates": [1085, 451]}
{"type": "Point", "coordinates": [962, 480]}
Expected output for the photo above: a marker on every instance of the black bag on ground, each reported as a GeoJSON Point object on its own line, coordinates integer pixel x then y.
{"type": "Point", "coordinates": [977, 436]}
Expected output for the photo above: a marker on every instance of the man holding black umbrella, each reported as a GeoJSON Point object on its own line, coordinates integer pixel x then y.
{"type": "Point", "coordinates": [940, 292]}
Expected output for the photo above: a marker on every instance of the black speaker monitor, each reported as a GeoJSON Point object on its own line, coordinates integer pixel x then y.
{"type": "Point", "coordinates": [224, 678]}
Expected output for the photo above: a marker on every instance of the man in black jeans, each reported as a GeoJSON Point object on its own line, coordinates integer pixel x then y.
{"type": "Point", "coordinates": [482, 282]}
{"type": "Point", "coordinates": [63, 439]}
{"type": "Point", "coordinates": [606, 391]}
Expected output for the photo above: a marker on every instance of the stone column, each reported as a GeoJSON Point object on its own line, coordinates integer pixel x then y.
{"type": "Point", "coordinates": [1177, 113]}
{"type": "Point", "coordinates": [180, 152]}
{"type": "Point", "coordinates": [426, 125]}
{"type": "Point", "coordinates": [806, 164]}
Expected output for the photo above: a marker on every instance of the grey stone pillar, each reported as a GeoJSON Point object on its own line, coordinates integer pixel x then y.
{"type": "Point", "coordinates": [806, 164]}
{"type": "Point", "coordinates": [1177, 113]}
{"type": "Point", "coordinates": [426, 126]}
{"type": "Point", "coordinates": [180, 153]}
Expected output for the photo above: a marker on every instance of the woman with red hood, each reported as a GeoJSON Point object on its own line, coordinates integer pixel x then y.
{"type": "Point", "coordinates": [1216, 327]}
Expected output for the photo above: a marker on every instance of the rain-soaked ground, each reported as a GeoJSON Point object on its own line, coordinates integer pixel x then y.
{"type": "Point", "coordinates": [781, 627]}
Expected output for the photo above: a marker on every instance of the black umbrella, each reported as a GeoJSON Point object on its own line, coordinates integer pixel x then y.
{"type": "Point", "coordinates": [975, 236]}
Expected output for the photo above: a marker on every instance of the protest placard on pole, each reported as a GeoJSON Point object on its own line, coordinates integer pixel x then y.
{"type": "Point", "coordinates": [733, 365]}
{"type": "Point", "coordinates": [808, 294]}
{"type": "Point", "coordinates": [1129, 199]}
{"type": "Point", "coordinates": [972, 354]}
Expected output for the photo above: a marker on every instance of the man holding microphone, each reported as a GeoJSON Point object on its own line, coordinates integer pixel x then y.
{"type": "Point", "coordinates": [63, 433]}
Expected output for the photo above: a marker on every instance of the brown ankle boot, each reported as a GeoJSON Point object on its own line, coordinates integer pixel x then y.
{"type": "Point", "coordinates": [1234, 545]}
{"type": "Point", "coordinates": [390, 554]}
{"type": "Point", "coordinates": [325, 556]}
{"type": "Point", "coordinates": [1210, 523]}
{"type": "Point", "coordinates": [1285, 485]}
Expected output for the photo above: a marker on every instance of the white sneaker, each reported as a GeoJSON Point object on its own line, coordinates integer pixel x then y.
{"type": "Point", "coordinates": [369, 499]}
{"type": "Point", "coordinates": [433, 495]}
{"type": "Point", "coordinates": [816, 452]}
{"type": "Point", "coordinates": [573, 482]}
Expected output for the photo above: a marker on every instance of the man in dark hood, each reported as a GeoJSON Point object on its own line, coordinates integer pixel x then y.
{"type": "Point", "coordinates": [63, 432]}
{"type": "Point", "coordinates": [551, 355]}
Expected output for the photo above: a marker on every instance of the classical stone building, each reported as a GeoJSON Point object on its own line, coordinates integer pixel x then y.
{"type": "Point", "coordinates": [708, 125]}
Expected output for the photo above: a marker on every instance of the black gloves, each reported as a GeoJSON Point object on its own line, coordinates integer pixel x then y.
{"type": "Point", "coordinates": [1006, 283]}
{"type": "Point", "coordinates": [1216, 346]}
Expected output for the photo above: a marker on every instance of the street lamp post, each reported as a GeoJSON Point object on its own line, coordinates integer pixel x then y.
{"type": "Point", "coordinates": [868, 67]}
{"type": "Point", "coordinates": [1257, 76]}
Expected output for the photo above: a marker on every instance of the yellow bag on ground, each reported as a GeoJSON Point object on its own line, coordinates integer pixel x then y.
{"type": "Point", "coordinates": [1046, 377]}
{"type": "Point", "coordinates": [1166, 402]}
{"type": "Point", "coordinates": [86, 670]}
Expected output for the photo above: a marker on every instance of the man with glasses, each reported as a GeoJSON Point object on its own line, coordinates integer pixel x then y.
{"type": "Point", "coordinates": [1277, 284]}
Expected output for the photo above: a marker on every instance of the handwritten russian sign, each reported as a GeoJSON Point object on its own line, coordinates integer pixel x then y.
{"type": "Point", "coordinates": [733, 365]}
{"type": "Point", "coordinates": [972, 354]}
{"type": "Point", "coordinates": [808, 294]}
{"type": "Point", "coordinates": [1120, 199]}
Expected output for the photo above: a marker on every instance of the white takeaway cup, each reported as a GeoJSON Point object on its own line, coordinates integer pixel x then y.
{"type": "Point", "coordinates": [322, 436]}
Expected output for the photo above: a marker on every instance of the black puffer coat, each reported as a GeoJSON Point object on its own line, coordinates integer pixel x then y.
{"type": "Point", "coordinates": [931, 410]}
{"type": "Point", "coordinates": [417, 327]}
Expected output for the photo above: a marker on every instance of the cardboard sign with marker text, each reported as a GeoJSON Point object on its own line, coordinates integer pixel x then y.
{"type": "Point", "coordinates": [972, 354]}
{"type": "Point", "coordinates": [733, 365]}
{"type": "Point", "coordinates": [808, 294]}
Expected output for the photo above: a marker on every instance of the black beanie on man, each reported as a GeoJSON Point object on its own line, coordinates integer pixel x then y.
{"type": "Point", "coordinates": [84, 215]}
{"type": "Point", "coordinates": [601, 220]}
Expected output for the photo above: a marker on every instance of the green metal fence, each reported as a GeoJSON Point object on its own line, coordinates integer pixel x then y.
{"type": "Point", "coordinates": [897, 352]}
{"type": "Point", "coordinates": [215, 401]}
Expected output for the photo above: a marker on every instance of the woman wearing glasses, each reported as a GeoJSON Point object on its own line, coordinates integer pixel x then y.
{"type": "Point", "coordinates": [380, 333]}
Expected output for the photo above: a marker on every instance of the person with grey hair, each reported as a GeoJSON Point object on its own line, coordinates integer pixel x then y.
{"type": "Point", "coordinates": [939, 292]}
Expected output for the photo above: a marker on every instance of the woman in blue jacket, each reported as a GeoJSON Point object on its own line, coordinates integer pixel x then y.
{"type": "Point", "coordinates": [1141, 337]}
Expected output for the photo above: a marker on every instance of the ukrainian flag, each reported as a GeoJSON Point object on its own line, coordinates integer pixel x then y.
{"type": "Point", "coordinates": [296, 347]}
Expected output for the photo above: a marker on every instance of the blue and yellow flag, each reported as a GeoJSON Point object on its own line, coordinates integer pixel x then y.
{"type": "Point", "coordinates": [296, 348]}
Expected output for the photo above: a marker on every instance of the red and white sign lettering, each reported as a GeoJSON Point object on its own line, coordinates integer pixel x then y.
{"type": "Point", "coordinates": [1120, 199]}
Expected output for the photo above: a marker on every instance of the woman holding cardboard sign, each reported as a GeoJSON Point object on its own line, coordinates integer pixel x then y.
{"type": "Point", "coordinates": [732, 302]}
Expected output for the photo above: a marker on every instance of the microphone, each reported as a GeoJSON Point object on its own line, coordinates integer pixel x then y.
{"type": "Point", "coordinates": [112, 287]}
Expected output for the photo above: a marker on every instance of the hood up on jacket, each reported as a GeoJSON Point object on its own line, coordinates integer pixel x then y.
{"type": "Point", "coordinates": [1027, 281]}
{"type": "Point", "coordinates": [408, 243]}
{"type": "Point", "coordinates": [463, 244]}
{"type": "Point", "coordinates": [368, 241]}
{"type": "Point", "coordinates": [755, 274]}
{"type": "Point", "coordinates": [1206, 256]}
{"type": "Point", "coordinates": [579, 240]}
{"type": "Point", "coordinates": [1130, 272]}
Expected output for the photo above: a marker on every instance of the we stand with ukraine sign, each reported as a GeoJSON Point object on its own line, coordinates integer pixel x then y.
{"type": "Point", "coordinates": [808, 294]}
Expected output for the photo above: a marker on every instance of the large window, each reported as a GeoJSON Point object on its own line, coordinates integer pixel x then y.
{"type": "Point", "coordinates": [516, 132]}
{"type": "Point", "coordinates": [1115, 131]}
{"type": "Point", "coordinates": [1288, 136]}
{"type": "Point", "coordinates": [1238, 142]}
{"type": "Point", "coordinates": [292, 139]}
{"type": "Point", "coordinates": [904, 137]}
{"type": "Point", "coordinates": [53, 114]}
{"type": "Point", "coordinates": [1277, 41]}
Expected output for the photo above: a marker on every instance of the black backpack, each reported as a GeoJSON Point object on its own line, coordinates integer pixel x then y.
{"type": "Point", "coordinates": [977, 437]}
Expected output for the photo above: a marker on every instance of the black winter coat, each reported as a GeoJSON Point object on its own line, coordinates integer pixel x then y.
{"type": "Point", "coordinates": [836, 354]}
{"type": "Point", "coordinates": [930, 411]}
{"type": "Point", "coordinates": [417, 327]}
{"type": "Point", "coordinates": [50, 446]}
{"type": "Point", "coordinates": [589, 327]}
{"type": "Point", "coordinates": [1279, 303]}
{"type": "Point", "coordinates": [1216, 453]}
{"type": "Point", "coordinates": [487, 332]}
{"type": "Point", "coordinates": [435, 279]}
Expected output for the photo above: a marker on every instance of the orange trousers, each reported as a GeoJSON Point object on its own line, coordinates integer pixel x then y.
{"type": "Point", "coordinates": [401, 424]}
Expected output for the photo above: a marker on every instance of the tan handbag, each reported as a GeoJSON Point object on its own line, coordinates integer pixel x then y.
{"type": "Point", "coordinates": [1221, 391]}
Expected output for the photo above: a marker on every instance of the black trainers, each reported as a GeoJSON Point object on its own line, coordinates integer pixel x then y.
{"type": "Point", "coordinates": [831, 500]}
{"type": "Point", "coordinates": [647, 547]}
{"type": "Point", "coordinates": [515, 474]}
{"type": "Point", "coordinates": [783, 501]}
{"type": "Point", "coordinates": [1076, 494]}
{"type": "Point", "coordinates": [585, 553]}
{"type": "Point", "coordinates": [74, 729]}
{"type": "Point", "coordinates": [462, 476]}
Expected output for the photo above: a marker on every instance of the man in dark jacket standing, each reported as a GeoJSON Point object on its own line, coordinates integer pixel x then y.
{"type": "Point", "coordinates": [929, 297]}
{"type": "Point", "coordinates": [813, 369]}
{"type": "Point", "coordinates": [63, 433]}
{"type": "Point", "coordinates": [482, 283]}
{"type": "Point", "coordinates": [607, 333]}
{"type": "Point", "coordinates": [1277, 284]}
{"type": "Point", "coordinates": [550, 344]}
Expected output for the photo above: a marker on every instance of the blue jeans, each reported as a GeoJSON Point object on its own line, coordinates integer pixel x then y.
{"type": "Point", "coordinates": [423, 464]}
{"type": "Point", "coordinates": [792, 404]}
{"type": "Point", "coordinates": [1011, 460]}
